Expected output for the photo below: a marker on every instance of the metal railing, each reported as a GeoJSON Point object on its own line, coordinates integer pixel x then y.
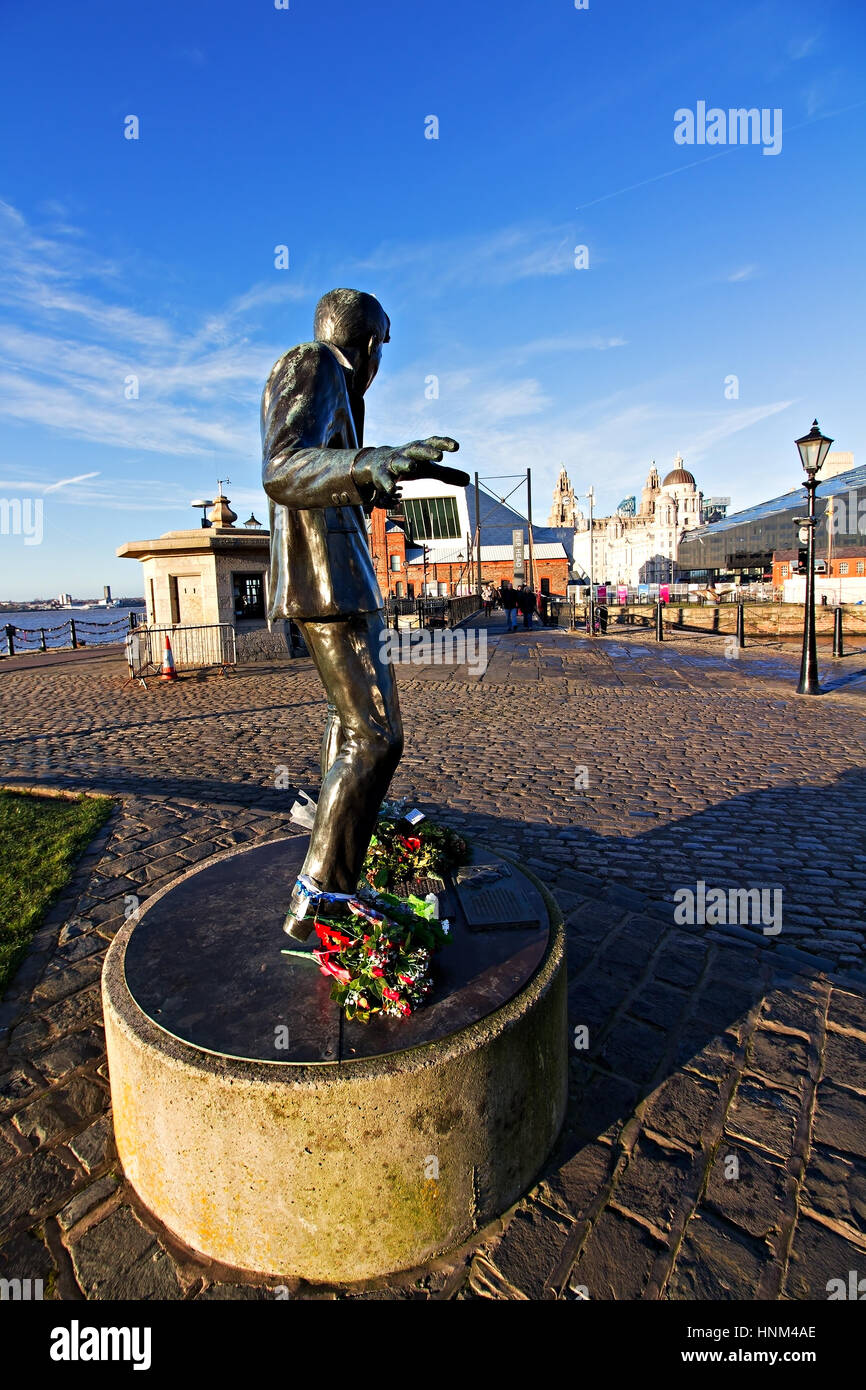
{"type": "Point", "coordinates": [72, 632]}
{"type": "Point", "coordinates": [433, 609]}
{"type": "Point", "coordinates": [193, 649]}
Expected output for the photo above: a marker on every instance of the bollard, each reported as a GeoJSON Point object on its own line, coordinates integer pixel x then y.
{"type": "Point", "coordinates": [44, 646]}
{"type": "Point", "coordinates": [660, 627]}
{"type": "Point", "coordinates": [838, 649]}
{"type": "Point", "coordinates": [73, 633]}
{"type": "Point", "coordinates": [741, 626]}
{"type": "Point", "coordinates": [10, 638]}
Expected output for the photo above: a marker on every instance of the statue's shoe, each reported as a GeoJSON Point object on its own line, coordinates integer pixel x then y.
{"type": "Point", "coordinates": [298, 928]}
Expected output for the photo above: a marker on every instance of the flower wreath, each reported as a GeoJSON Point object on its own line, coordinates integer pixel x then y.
{"type": "Point", "coordinates": [379, 957]}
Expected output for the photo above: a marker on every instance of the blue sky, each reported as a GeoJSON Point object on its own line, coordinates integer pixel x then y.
{"type": "Point", "coordinates": [262, 127]}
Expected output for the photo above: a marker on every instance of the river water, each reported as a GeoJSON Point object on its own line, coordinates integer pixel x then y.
{"type": "Point", "coordinates": [93, 626]}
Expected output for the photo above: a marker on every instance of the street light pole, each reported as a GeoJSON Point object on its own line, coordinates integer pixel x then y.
{"type": "Point", "coordinates": [591, 497]}
{"type": "Point", "coordinates": [813, 448]}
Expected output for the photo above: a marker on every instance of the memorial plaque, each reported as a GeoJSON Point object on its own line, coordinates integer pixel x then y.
{"type": "Point", "coordinates": [496, 895]}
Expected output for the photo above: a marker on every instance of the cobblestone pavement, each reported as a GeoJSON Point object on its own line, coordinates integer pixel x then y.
{"type": "Point", "coordinates": [715, 1143]}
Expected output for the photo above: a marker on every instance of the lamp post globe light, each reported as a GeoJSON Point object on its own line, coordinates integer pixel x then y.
{"type": "Point", "coordinates": [813, 448]}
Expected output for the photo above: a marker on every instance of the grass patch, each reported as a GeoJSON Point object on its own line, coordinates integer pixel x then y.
{"type": "Point", "coordinates": [41, 837]}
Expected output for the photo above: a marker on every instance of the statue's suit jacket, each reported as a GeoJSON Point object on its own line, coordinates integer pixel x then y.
{"type": "Point", "coordinates": [312, 434]}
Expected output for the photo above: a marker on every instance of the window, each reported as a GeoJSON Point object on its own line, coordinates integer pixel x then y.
{"type": "Point", "coordinates": [398, 589]}
{"type": "Point", "coordinates": [395, 562]}
{"type": "Point", "coordinates": [545, 586]}
{"type": "Point", "coordinates": [843, 568]}
{"type": "Point", "coordinates": [784, 571]}
{"type": "Point", "coordinates": [249, 596]}
{"type": "Point", "coordinates": [432, 518]}
{"type": "Point", "coordinates": [860, 566]}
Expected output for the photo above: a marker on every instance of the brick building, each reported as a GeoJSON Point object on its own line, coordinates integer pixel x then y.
{"type": "Point", "coordinates": [430, 544]}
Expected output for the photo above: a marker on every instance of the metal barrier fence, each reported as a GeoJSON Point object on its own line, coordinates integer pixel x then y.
{"type": "Point", "coordinates": [193, 649]}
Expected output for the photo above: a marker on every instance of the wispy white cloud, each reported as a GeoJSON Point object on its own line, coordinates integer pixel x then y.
{"type": "Point", "coordinates": [744, 272]}
{"type": "Point", "coordinates": [499, 258]}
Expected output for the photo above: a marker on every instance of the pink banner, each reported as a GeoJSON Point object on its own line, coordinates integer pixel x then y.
{"type": "Point", "coordinates": [665, 593]}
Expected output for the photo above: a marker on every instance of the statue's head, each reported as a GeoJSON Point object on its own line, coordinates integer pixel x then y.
{"type": "Point", "coordinates": [357, 324]}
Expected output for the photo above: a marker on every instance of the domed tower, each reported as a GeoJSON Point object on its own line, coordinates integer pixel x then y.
{"type": "Point", "coordinates": [680, 485]}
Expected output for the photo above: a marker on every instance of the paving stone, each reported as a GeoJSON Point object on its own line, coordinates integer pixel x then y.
{"type": "Point", "coordinates": [94, 1145]}
{"type": "Point", "coordinates": [577, 1180]}
{"type": "Point", "coordinates": [749, 1189]}
{"type": "Point", "coordinates": [819, 1255]}
{"type": "Point", "coordinates": [714, 1264]}
{"type": "Point", "coordinates": [835, 1186]}
{"type": "Point", "coordinates": [633, 1049]}
{"type": "Point", "coordinates": [767, 1117]}
{"type": "Point", "coordinates": [74, 1012]}
{"type": "Point", "coordinates": [781, 1059]}
{"type": "Point", "coordinates": [681, 1107]}
{"type": "Point", "coordinates": [848, 1010]}
{"type": "Point", "coordinates": [87, 1200]}
{"type": "Point", "coordinates": [8, 1151]}
{"type": "Point", "coordinates": [32, 1184]}
{"type": "Point", "coordinates": [530, 1250]}
{"type": "Point", "coordinates": [606, 1101]}
{"type": "Point", "coordinates": [657, 1178]}
{"type": "Point", "coordinates": [15, 1086]}
{"type": "Point", "coordinates": [119, 1258]}
{"type": "Point", "coordinates": [840, 1120]}
{"type": "Point", "coordinates": [60, 1110]}
{"type": "Point", "coordinates": [617, 1259]}
{"type": "Point", "coordinates": [845, 1059]}
{"type": "Point", "coordinates": [659, 1004]}
{"type": "Point", "coordinates": [25, 1256]}
{"type": "Point", "coordinates": [74, 1051]}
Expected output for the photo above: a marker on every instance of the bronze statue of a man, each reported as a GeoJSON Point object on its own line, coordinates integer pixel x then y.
{"type": "Point", "coordinates": [321, 481]}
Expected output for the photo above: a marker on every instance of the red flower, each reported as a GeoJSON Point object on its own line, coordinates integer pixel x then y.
{"type": "Point", "coordinates": [326, 933]}
{"type": "Point", "coordinates": [410, 841]}
{"type": "Point", "coordinates": [329, 967]}
{"type": "Point", "coordinates": [377, 972]}
{"type": "Point", "coordinates": [391, 994]}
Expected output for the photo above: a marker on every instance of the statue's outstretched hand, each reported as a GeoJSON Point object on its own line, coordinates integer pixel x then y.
{"type": "Point", "coordinates": [386, 468]}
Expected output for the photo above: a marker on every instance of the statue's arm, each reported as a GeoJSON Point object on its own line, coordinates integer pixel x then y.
{"type": "Point", "coordinates": [299, 406]}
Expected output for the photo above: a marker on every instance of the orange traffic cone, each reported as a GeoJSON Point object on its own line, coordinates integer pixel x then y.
{"type": "Point", "coordinates": [168, 671]}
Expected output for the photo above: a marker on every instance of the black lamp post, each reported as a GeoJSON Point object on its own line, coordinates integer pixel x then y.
{"type": "Point", "coordinates": [813, 448]}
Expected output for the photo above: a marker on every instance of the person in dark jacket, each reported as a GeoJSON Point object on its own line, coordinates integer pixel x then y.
{"type": "Point", "coordinates": [509, 603]}
{"type": "Point", "coordinates": [526, 604]}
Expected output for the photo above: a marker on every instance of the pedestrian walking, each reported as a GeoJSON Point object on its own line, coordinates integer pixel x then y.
{"type": "Point", "coordinates": [509, 603]}
{"type": "Point", "coordinates": [487, 599]}
{"type": "Point", "coordinates": [526, 604]}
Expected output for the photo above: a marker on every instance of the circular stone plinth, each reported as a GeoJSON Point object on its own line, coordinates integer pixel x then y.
{"type": "Point", "coordinates": [269, 1134]}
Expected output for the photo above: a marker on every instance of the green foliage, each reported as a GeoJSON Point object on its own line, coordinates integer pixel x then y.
{"type": "Point", "coordinates": [399, 852]}
{"type": "Point", "coordinates": [379, 955]}
{"type": "Point", "coordinates": [40, 840]}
